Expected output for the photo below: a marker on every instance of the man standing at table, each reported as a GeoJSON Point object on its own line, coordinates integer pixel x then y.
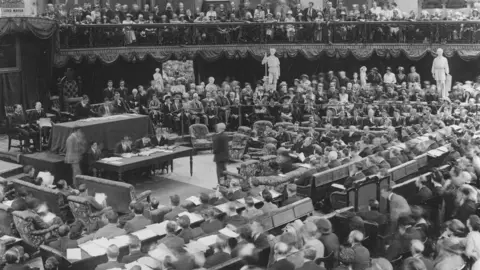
{"type": "Point", "coordinates": [220, 151]}
{"type": "Point", "coordinates": [75, 148]}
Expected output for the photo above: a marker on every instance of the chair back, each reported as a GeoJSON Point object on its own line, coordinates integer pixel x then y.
{"type": "Point", "coordinates": [260, 126]}
{"type": "Point", "coordinates": [244, 130]}
{"type": "Point", "coordinates": [198, 131]}
{"type": "Point", "coordinates": [54, 199]}
{"type": "Point", "coordinates": [9, 110]}
{"type": "Point", "coordinates": [119, 194]}
{"type": "Point", "coordinates": [26, 228]}
{"type": "Point", "coordinates": [82, 211]}
{"type": "Point", "coordinates": [264, 164]}
{"type": "Point", "coordinates": [6, 220]}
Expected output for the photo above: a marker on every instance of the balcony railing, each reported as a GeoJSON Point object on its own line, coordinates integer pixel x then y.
{"type": "Point", "coordinates": [167, 34]}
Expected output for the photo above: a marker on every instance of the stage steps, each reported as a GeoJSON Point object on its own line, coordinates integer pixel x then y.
{"type": "Point", "coordinates": [9, 169]}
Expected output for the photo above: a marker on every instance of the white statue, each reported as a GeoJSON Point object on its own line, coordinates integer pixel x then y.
{"type": "Point", "coordinates": [273, 67]}
{"type": "Point", "coordinates": [363, 76]}
{"type": "Point", "coordinates": [158, 77]}
{"type": "Point", "coordinates": [440, 72]}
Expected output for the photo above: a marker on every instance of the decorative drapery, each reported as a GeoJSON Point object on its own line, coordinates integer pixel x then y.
{"type": "Point", "coordinates": [42, 28]}
{"type": "Point", "coordinates": [312, 52]}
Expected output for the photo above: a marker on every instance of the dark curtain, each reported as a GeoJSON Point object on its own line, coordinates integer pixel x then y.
{"type": "Point", "coordinates": [32, 83]}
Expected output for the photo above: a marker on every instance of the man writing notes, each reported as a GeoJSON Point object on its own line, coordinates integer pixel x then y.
{"type": "Point", "coordinates": [220, 151]}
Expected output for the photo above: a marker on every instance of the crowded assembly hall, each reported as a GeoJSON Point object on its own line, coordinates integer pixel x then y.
{"type": "Point", "coordinates": [242, 135]}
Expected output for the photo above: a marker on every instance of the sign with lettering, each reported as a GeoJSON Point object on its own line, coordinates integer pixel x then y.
{"type": "Point", "coordinates": [18, 8]}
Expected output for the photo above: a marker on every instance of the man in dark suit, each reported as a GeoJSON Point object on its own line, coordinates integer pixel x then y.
{"type": "Point", "coordinates": [260, 239]}
{"type": "Point", "coordinates": [109, 92]}
{"type": "Point", "coordinates": [233, 218]}
{"type": "Point", "coordinates": [108, 231]}
{"type": "Point", "coordinates": [93, 155]}
{"type": "Point", "coordinates": [187, 233]}
{"type": "Point", "coordinates": [204, 203]}
{"type": "Point", "coordinates": [63, 242]}
{"type": "Point", "coordinates": [12, 260]}
{"type": "Point", "coordinates": [135, 253]}
{"type": "Point", "coordinates": [171, 240]}
{"type": "Point", "coordinates": [219, 255]}
{"type": "Point", "coordinates": [292, 195]}
{"type": "Point", "coordinates": [373, 214]}
{"type": "Point", "coordinates": [402, 238]}
{"type": "Point", "coordinates": [309, 254]}
{"type": "Point", "coordinates": [417, 249]}
{"type": "Point", "coordinates": [158, 139]}
{"type": "Point", "coordinates": [19, 122]}
{"type": "Point", "coordinates": [220, 151]}
{"type": "Point", "coordinates": [123, 90]}
{"type": "Point", "coordinates": [176, 208]}
{"type": "Point", "coordinates": [281, 263]}
{"type": "Point", "coordinates": [141, 143]}
{"type": "Point", "coordinates": [82, 109]}
{"type": "Point", "coordinates": [211, 223]}
{"type": "Point", "coordinates": [112, 255]}
{"type": "Point", "coordinates": [362, 255]}
{"type": "Point", "coordinates": [119, 104]}
{"type": "Point", "coordinates": [106, 109]}
{"type": "Point", "coordinates": [125, 146]}
{"type": "Point", "coordinates": [352, 136]}
{"type": "Point", "coordinates": [139, 221]}
{"type": "Point", "coordinates": [424, 193]}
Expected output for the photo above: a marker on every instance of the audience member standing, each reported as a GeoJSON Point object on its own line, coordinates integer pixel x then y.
{"type": "Point", "coordinates": [75, 148]}
{"type": "Point", "coordinates": [220, 151]}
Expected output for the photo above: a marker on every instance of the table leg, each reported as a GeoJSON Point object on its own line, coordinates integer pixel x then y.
{"type": "Point", "coordinates": [171, 165]}
{"type": "Point", "coordinates": [120, 176]}
{"type": "Point", "coordinates": [191, 164]}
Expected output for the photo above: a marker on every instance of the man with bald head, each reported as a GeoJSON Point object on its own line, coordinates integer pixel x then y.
{"type": "Point", "coordinates": [112, 255]}
{"type": "Point", "coordinates": [220, 151]}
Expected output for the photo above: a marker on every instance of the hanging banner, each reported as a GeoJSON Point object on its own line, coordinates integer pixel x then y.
{"type": "Point", "coordinates": [18, 8]}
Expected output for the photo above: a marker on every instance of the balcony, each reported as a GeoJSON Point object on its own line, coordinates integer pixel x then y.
{"type": "Point", "coordinates": [107, 42]}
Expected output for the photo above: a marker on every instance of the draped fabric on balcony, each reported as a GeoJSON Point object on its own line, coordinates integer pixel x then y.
{"type": "Point", "coordinates": [40, 27]}
{"type": "Point", "coordinates": [312, 52]}
{"type": "Point", "coordinates": [30, 83]}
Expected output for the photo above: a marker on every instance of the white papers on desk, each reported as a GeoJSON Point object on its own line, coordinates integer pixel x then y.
{"type": "Point", "coordinates": [48, 218]}
{"type": "Point", "coordinates": [144, 234]}
{"type": "Point", "coordinates": [35, 263]}
{"type": "Point", "coordinates": [45, 122]}
{"type": "Point", "coordinates": [301, 156]}
{"type": "Point", "coordinates": [128, 155]}
{"type": "Point", "coordinates": [101, 198]}
{"type": "Point", "coordinates": [101, 242]}
{"type": "Point", "coordinates": [74, 254]}
{"type": "Point", "coordinates": [195, 247]}
{"type": "Point", "coordinates": [281, 175]}
{"type": "Point", "coordinates": [110, 159]}
{"type": "Point", "coordinates": [161, 252]}
{"type": "Point", "coordinates": [92, 249]}
{"type": "Point", "coordinates": [443, 149]}
{"type": "Point", "coordinates": [208, 240]}
{"type": "Point", "coordinates": [150, 262]}
{"type": "Point", "coordinates": [435, 153]}
{"type": "Point", "coordinates": [159, 229]}
{"type": "Point", "coordinates": [116, 162]}
{"type": "Point", "coordinates": [120, 241]}
{"type": "Point", "coordinates": [338, 186]}
{"type": "Point", "coordinates": [8, 203]}
{"type": "Point", "coordinates": [142, 266]}
{"type": "Point", "coordinates": [194, 217]}
{"type": "Point", "coordinates": [308, 166]}
{"type": "Point", "coordinates": [8, 238]}
{"type": "Point", "coordinates": [222, 207]}
{"type": "Point", "coordinates": [47, 178]}
{"type": "Point", "coordinates": [242, 200]}
{"type": "Point", "coordinates": [194, 199]}
{"type": "Point", "coordinates": [228, 233]}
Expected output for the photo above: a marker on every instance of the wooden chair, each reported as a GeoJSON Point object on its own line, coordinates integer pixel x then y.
{"type": "Point", "coordinates": [12, 133]}
{"type": "Point", "coordinates": [30, 235]}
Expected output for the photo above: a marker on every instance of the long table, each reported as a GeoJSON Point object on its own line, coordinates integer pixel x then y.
{"type": "Point", "coordinates": [136, 162]}
{"type": "Point", "coordinates": [108, 131]}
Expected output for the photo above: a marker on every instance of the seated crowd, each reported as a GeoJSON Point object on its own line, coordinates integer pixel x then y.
{"type": "Point", "coordinates": [314, 29]}
{"type": "Point", "coordinates": [412, 238]}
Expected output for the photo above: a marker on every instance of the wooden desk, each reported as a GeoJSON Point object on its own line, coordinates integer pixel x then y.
{"type": "Point", "coordinates": [128, 164]}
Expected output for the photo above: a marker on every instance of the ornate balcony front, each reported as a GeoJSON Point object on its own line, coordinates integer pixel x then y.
{"type": "Point", "coordinates": [163, 41]}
